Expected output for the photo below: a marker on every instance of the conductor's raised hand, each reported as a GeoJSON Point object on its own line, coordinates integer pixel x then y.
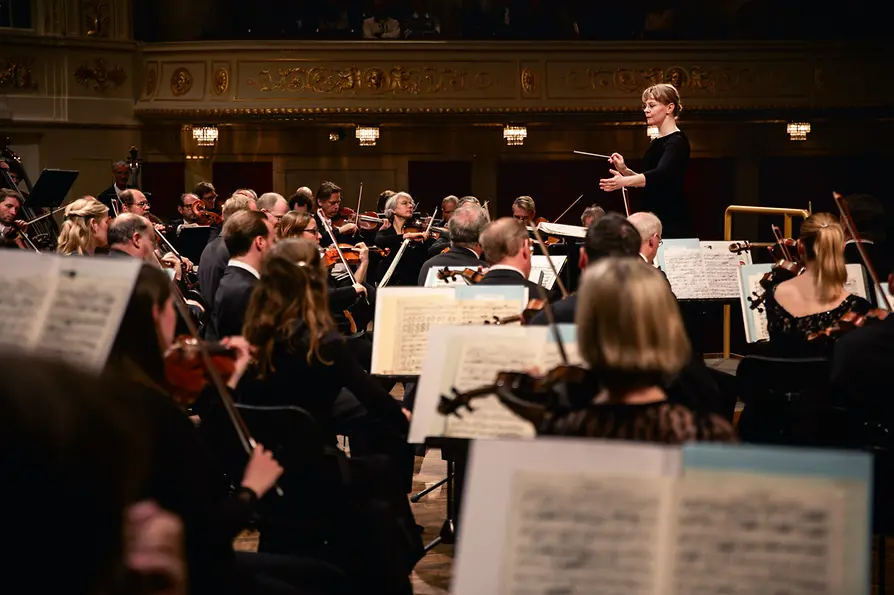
{"type": "Point", "coordinates": [616, 182]}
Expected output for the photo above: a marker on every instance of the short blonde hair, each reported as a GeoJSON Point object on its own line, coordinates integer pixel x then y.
{"type": "Point", "coordinates": [526, 203]}
{"type": "Point", "coordinates": [236, 203]}
{"type": "Point", "coordinates": [665, 94]}
{"type": "Point", "coordinates": [647, 224]}
{"type": "Point", "coordinates": [76, 235]}
{"type": "Point", "coordinates": [638, 340]}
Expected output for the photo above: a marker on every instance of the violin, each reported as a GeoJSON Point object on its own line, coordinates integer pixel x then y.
{"type": "Point", "coordinates": [849, 321]}
{"type": "Point", "coordinates": [351, 254]}
{"type": "Point", "coordinates": [786, 266]}
{"type": "Point", "coordinates": [470, 276]}
{"type": "Point", "coordinates": [185, 369]}
{"type": "Point", "coordinates": [534, 306]}
{"type": "Point", "coordinates": [205, 216]}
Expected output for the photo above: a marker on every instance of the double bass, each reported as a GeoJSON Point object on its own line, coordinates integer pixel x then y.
{"type": "Point", "coordinates": [42, 231]}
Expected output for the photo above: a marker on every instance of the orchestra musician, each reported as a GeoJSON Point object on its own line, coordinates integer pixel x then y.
{"type": "Point", "coordinates": [208, 195]}
{"type": "Point", "coordinates": [507, 247]}
{"type": "Point", "coordinates": [664, 164]}
{"type": "Point", "coordinates": [329, 202]}
{"type": "Point", "coordinates": [85, 227]}
{"type": "Point", "coordinates": [188, 217]}
{"type": "Point", "coordinates": [591, 215]}
{"type": "Point", "coordinates": [10, 207]}
{"type": "Point", "coordinates": [131, 235]}
{"type": "Point", "coordinates": [448, 206]}
{"type": "Point", "coordinates": [524, 210]}
{"type": "Point", "coordinates": [815, 299]}
{"type": "Point", "coordinates": [399, 211]}
{"type": "Point", "coordinates": [134, 201]}
{"type": "Point", "coordinates": [215, 255]}
{"type": "Point", "coordinates": [274, 206]}
{"type": "Point", "coordinates": [868, 214]}
{"type": "Point", "coordinates": [650, 229]}
{"type": "Point", "coordinates": [247, 235]}
{"type": "Point", "coordinates": [302, 201]}
{"type": "Point", "coordinates": [634, 347]}
{"type": "Point", "coordinates": [121, 174]}
{"type": "Point", "coordinates": [465, 227]}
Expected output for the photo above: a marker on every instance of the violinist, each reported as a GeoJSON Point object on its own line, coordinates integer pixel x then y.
{"type": "Point", "coordinates": [274, 206]}
{"type": "Point", "coordinates": [591, 215]}
{"type": "Point", "coordinates": [816, 299]}
{"type": "Point", "coordinates": [441, 244]}
{"type": "Point", "coordinates": [399, 211]}
{"type": "Point", "coordinates": [448, 206]}
{"type": "Point", "coordinates": [9, 209]}
{"type": "Point", "coordinates": [247, 235]}
{"type": "Point", "coordinates": [634, 347]}
{"type": "Point", "coordinates": [134, 201]}
{"type": "Point", "coordinates": [302, 201]}
{"type": "Point", "coordinates": [507, 248]}
{"type": "Point", "coordinates": [85, 227]}
{"type": "Point", "coordinates": [121, 173]}
{"type": "Point", "coordinates": [329, 201]}
{"type": "Point", "coordinates": [465, 228]}
{"type": "Point", "coordinates": [649, 228]}
{"type": "Point", "coordinates": [524, 210]}
{"type": "Point", "coordinates": [214, 257]}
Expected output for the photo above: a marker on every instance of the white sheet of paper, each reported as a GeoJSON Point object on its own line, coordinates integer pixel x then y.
{"type": "Point", "coordinates": [540, 264]}
{"type": "Point", "coordinates": [702, 270]}
{"type": "Point", "coordinates": [29, 281]}
{"type": "Point", "coordinates": [562, 230]}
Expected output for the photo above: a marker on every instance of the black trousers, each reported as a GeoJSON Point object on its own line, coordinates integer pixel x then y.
{"type": "Point", "coordinates": [274, 574]}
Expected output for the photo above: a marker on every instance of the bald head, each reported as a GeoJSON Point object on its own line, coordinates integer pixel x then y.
{"type": "Point", "coordinates": [505, 241]}
{"type": "Point", "coordinates": [649, 228]}
{"type": "Point", "coordinates": [273, 205]}
{"type": "Point", "coordinates": [132, 234]}
{"type": "Point", "coordinates": [466, 225]}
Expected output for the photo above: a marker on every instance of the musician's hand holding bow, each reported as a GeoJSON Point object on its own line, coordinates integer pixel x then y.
{"type": "Point", "coordinates": [243, 358]}
{"type": "Point", "coordinates": [347, 228]}
{"type": "Point", "coordinates": [360, 289]}
{"type": "Point", "coordinates": [417, 236]}
{"type": "Point", "coordinates": [261, 472]}
{"type": "Point", "coordinates": [363, 251]}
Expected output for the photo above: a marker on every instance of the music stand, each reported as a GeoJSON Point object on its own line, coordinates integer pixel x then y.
{"type": "Point", "coordinates": [191, 241]}
{"type": "Point", "coordinates": [51, 188]}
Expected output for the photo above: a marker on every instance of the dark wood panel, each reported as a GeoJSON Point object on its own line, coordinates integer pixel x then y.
{"type": "Point", "coordinates": [165, 181]}
{"type": "Point", "coordinates": [228, 177]}
{"type": "Point", "coordinates": [431, 181]}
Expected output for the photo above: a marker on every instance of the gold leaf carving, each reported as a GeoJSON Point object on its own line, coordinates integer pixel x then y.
{"type": "Point", "coordinates": [181, 82]}
{"type": "Point", "coordinates": [221, 81]}
{"type": "Point", "coordinates": [100, 75]}
{"type": "Point", "coordinates": [151, 81]}
{"type": "Point", "coordinates": [628, 80]}
{"type": "Point", "coordinates": [95, 17]}
{"type": "Point", "coordinates": [529, 81]}
{"type": "Point", "coordinates": [371, 81]}
{"type": "Point", "coordinates": [16, 73]}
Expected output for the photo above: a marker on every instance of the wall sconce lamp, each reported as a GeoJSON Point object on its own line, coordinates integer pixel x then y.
{"type": "Point", "coordinates": [515, 135]}
{"type": "Point", "coordinates": [798, 130]}
{"type": "Point", "coordinates": [367, 135]}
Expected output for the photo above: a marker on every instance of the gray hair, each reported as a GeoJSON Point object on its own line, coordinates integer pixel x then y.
{"type": "Point", "coordinates": [647, 224]}
{"type": "Point", "coordinates": [594, 211]}
{"type": "Point", "coordinates": [466, 225]}
{"type": "Point", "coordinates": [269, 200]}
{"type": "Point", "coordinates": [466, 200]}
{"type": "Point", "coordinates": [449, 199]}
{"type": "Point", "coordinates": [392, 202]}
{"type": "Point", "coordinates": [124, 226]}
{"type": "Point", "coordinates": [118, 164]}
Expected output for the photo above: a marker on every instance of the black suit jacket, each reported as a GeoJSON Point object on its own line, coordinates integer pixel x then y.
{"type": "Point", "coordinates": [861, 360]}
{"type": "Point", "coordinates": [455, 257]}
{"type": "Point", "coordinates": [231, 303]}
{"type": "Point", "coordinates": [507, 277]}
{"type": "Point", "coordinates": [106, 196]}
{"type": "Point", "coordinates": [211, 267]}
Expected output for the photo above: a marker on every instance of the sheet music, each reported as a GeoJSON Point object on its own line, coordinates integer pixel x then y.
{"type": "Point", "coordinates": [748, 534]}
{"type": "Point", "coordinates": [540, 264]}
{"type": "Point", "coordinates": [856, 280]}
{"type": "Point", "coordinates": [702, 270]}
{"type": "Point", "coordinates": [573, 534]}
{"type": "Point", "coordinates": [562, 230]}
{"type": "Point", "coordinates": [550, 357]}
{"type": "Point", "coordinates": [721, 267]}
{"type": "Point", "coordinates": [479, 363]}
{"type": "Point", "coordinates": [411, 338]}
{"type": "Point", "coordinates": [755, 320]}
{"type": "Point", "coordinates": [24, 294]}
{"type": "Point", "coordinates": [686, 273]}
{"type": "Point", "coordinates": [86, 310]}
{"type": "Point", "coordinates": [477, 311]}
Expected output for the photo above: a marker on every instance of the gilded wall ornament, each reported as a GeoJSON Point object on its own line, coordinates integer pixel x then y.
{"type": "Point", "coordinates": [16, 73]}
{"type": "Point", "coordinates": [101, 75]}
{"type": "Point", "coordinates": [397, 80]}
{"type": "Point", "coordinates": [95, 16]}
{"type": "Point", "coordinates": [628, 80]}
{"type": "Point", "coordinates": [151, 81]}
{"type": "Point", "coordinates": [529, 81]}
{"type": "Point", "coordinates": [181, 82]}
{"type": "Point", "coordinates": [221, 81]}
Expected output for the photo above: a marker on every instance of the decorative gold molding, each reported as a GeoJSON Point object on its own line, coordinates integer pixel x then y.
{"type": "Point", "coordinates": [151, 80]}
{"type": "Point", "coordinates": [221, 81]}
{"type": "Point", "coordinates": [95, 16]}
{"type": "Point", "coordinates": [181, 82]}
{"type": "Point", "coordinates": [101, 75]}
{"type": "Point", "coordinates": [629, 80]}
{"type": "Point", "coordinates": [16, 73]}
{"type": "Point", "coordinates": [529, 83]}
{"type": "Point", "coordinates": [421, 80]}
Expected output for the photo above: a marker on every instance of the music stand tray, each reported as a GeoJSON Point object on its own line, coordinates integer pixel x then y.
{"type": "Point", "coordinates": [52, 187]}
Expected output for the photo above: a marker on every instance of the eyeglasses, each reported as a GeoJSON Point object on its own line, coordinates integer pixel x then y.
{"type": "Point", "coordinates": [143, 204]}
{"type": "Point", "coordinates": [311, 230]}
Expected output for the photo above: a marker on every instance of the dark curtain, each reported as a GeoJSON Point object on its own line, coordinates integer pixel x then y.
{"type": "Point", "coordinates": [165, 182]}
{"type": "Point", "coordinates": [229, 177]}
{"type": "Point", "coordinates": [431, 181]}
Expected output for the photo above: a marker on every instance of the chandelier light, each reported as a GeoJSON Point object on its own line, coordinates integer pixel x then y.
{"type": "Point", "coordinates": [367, 135]}
{"type": "Point", "coordinates": [515, 135]}
{"type": "Point", "coordinates": [652, 132]}
{"type": "Point", "coordinates": [205, 136]}
{"type": "Point", "coordinates": [798, 130]}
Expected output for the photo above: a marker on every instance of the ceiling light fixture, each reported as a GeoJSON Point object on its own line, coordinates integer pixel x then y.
{"type": "Point", "coordinates": [798, 130]}
{"type": "Point", "coordinates": [515, 135]}
{"type": "Point", "coordinates": [205, 136]}
{"type": "Point", "coordinates": [367, 135]}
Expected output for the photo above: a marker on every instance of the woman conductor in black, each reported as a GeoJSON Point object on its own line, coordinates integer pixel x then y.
{"type": "Point", "coordinates": [664, 164]}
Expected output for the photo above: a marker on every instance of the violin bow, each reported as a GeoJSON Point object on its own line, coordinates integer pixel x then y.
{"type": "Point", "coordinates": [338, 249]}
{"type": "Point", "coordinates": [626, 201]}
{"type": "Point", "coordinates": [549, 260]}
{"type": "Point", "coordinates": [45, 215]}
{"type": "Point", "coordinates": [568, 209]}
{"type": "Point", "coordinates": [858, 242]}
{"type": "Point", "coordinates": [357, 212]}
{"type": "Point", "coordinates": [553, 325]}
{"type": "Point", "coordinates": [12, 185]}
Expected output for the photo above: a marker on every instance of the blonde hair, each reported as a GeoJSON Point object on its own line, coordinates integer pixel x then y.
{"type": "Point", "coordinates": [293, 224]}
{"type": "Point", "coordinates": [76, 236]}
{"type": "Point", "coordinates": [292, 289]}
{"type": "Point", "coordinates": [823, 241]}
{"type": "Point", "coordinates": [665, 94]}
{"type": "Point", "coordinates": [236, 203]}
{"type": "Point", "coordinates": [634, 342]}
{"type": "Point", "coordinates": [525, 203]}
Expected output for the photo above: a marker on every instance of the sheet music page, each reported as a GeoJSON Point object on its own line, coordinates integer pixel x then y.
{"type": "Point", "coordinates": [721, 269]}
{"type": "Point", "coordinates": [480, 360]}
{"type": "Point", "coordinates": [685, 272]}
{"type": "Point", "coordinates": [562, 230]}
{"type": "Point", "coordinates": [580, 534]}
{"type": "Point", "coordinates": [550, 357]}
{"type": "Point", "coordinates": [86, 309]}
{"type": "Point", "coordinates": [28, 282]}
{"type": "Point", "coordinates": [477, 311]}
{"type": "Point", "coordinates": [539, 264]}
{"type": "Point", "coordinates": [856, 280]}
{"type": "Point", "coordinates": [738, 533]}
{"type": "Point", "coordinates": [415, 316]}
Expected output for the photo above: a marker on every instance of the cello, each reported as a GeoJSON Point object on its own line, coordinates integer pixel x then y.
{"type": "Point", "coordinates": [44, 231]}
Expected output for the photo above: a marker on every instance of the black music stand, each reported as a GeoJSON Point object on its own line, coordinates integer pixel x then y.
{"type": "Point", "coordinates": [51, 188]}
{"type": "Point", "coordinates": [191, 241]}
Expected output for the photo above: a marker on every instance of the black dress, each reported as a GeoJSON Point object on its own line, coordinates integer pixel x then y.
{"type": "Point", "coordinates": [789, 335]}
{"type": "Point", "coordinates": [664, 166]}
{"type": "Point", "coordinates": [411, 262]}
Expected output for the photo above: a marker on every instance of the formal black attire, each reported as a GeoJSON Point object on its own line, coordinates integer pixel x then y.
{"type": "Point", "coordinates": [510, 277]}
{"type": "Point", "coordinates": [325, 240]}
{"type": "Point", "coordinates": [231, 303]}
{"type": "Point", "coordinates": [664, 166]}
{"type": "Point", "coordinates": [106, 196]}
{"type": "Point", "coordinates": [861, 361]}
{"type": "Point", "coordinates": [410, 263]}
{"type": "Point", "coordinates": [211, 265]}
{"type": "Point", "coordinates": [457, 256]}
{"type": "Point", "coordinates": [789, 334]}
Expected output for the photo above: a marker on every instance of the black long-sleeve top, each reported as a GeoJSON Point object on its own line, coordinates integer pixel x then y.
{"type": "Point", "coordinates": [664, 166]}
{"type": "Point", "coordinates": [315, 385]}
{"type": "Point", "coordinates": [410, 263]}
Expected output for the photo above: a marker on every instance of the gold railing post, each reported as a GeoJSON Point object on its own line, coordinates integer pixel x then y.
{"type": "Point", "coordinates": [728, 236]}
